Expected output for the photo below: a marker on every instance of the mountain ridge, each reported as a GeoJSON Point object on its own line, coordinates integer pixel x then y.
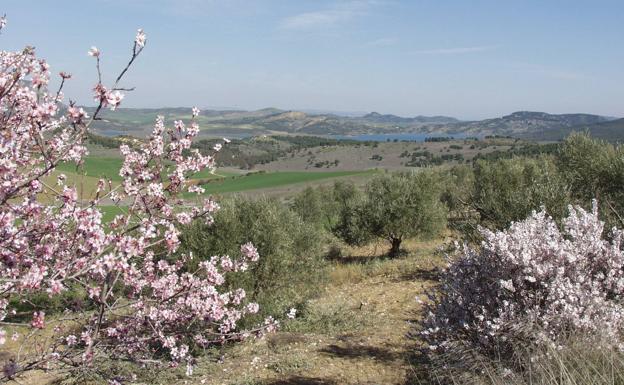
{"type": "Point", "coordinates": [523, 124]}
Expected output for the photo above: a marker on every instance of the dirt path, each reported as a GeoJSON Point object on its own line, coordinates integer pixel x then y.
{"type": "Point", "coordinates": [355, 333]}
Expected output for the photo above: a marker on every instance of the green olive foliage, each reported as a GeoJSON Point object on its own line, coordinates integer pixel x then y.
{"type": "Point", "coordinates": [316, 206]}
{"type": "Point", "coordinates": [595, 169]}
{"type": "Point", "coordinates": [399, 206]}
{"type": "Point", "coordinates": [508, 190]}
{"type": "Point", "coordinates": [348, 222]}
{"type": "Point", "coordinates": [291, 267]}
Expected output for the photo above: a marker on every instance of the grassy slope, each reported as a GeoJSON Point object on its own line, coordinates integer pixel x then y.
{"type": "Point", "coordinates": [97, 167]}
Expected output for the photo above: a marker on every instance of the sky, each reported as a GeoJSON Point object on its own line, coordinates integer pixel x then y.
{"type": "Point", "coordinates": [469, 59]}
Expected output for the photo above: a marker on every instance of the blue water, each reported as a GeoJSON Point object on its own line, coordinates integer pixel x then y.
{"type": "Point", "coordinates": [391, 137]}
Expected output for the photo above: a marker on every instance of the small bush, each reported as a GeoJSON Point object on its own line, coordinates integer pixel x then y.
{"type": "Point", "coordinates": [530, 286]}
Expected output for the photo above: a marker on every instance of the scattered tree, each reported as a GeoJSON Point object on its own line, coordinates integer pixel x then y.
{"type": "Point", "coordinates": [398, 206]}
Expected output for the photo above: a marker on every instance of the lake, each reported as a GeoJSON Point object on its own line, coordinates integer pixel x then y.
{"type": "Point", "coordinates": [411, 137]}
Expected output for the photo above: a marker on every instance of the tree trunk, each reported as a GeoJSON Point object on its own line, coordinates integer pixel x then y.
{"type": "Point", "coordinates": [395, 248]}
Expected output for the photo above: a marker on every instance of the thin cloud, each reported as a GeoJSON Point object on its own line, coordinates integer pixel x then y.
{"type": "Point", "coordinates": [457, 50]}
{"type": "Point", "coordinates": [341, 12]}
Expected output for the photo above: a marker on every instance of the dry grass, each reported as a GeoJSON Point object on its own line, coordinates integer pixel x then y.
{"type": "Point", "coordinates": [359, 263]}
{"type": "Point", "coordinates": [580, 362]}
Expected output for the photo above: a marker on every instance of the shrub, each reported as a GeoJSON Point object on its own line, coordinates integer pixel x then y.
{"type": "Point", "coordinates": [291, 268]}
{"type": "Point", "coordinates": [530, 285]}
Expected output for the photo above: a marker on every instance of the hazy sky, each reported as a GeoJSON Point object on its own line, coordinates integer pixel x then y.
{"type": "Point", "coordinates": [469, 59]}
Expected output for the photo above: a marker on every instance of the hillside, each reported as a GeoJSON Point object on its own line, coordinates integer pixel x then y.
{"type": "Point", "coordinates": [138, 122]}
{"type": "Point", "coordinates": [612, 130]}
{"type": "Point", "coordinates": [522, 124]}
{"type": "Point", "coordinates": [238, 123]}
{"type": "Point", "coordinates": [375, 117]}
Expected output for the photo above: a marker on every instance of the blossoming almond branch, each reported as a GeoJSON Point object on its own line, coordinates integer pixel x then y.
{"type": "Point", "coordinates": [142, 304]}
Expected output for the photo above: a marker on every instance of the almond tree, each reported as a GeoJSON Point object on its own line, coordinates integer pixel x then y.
{"type": "Point", "coordinates": [142, 305]}
{"type": "Point", "coordinates": [533, 284]}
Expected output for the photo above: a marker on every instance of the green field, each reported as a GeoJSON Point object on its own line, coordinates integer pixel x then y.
{"type": "Point", "coordinates": [96, 167]}
{"type": "Point", "coordinates": [109, 212]}
{"type": "Point", "coordinates": [273, 179]}
{"type": "Point", "coordinates": [103, 167]}
{"type": "Point", "coordinates": [250, 182]}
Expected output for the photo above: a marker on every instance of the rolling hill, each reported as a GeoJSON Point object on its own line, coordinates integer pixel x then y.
{"type": "Point", "coordinates": [375, 117]}
{"type": "Point", "coordinates": [239, 123]}
{"type": "Point", "coordinates": [612, 130]}
{"type": "Point", "coordinates": [524, 124]}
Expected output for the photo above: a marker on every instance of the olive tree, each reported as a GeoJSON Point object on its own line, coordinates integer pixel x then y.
{"type": "Point", "coordinates": [508, 190]}
{"type": "Point", "coordinates": [291, 268]}
{"type": "Point", "coordinates": [315, 206]}
{"type": "Point", "coordinates": [347, 219]}
{"type": "Point", "coordinates": [398, 206]}
{"type": "Point", "coordinates": [594, 168]}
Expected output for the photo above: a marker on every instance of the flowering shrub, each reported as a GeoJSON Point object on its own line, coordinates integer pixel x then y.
{"type": "Point", "coordinates": [143, 307]}
{"type": "Point", "coordinates": [531, 284]}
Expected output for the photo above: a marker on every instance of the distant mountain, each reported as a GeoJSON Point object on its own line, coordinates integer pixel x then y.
{"type": "Point", "coordinates": [347, 114]}
{"type": "Point", "coordinates": [375, 117]}
{"type": "Point", "coordinates": [322, 124]}
{"type": "Point", "coordinates": [522, 124]}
